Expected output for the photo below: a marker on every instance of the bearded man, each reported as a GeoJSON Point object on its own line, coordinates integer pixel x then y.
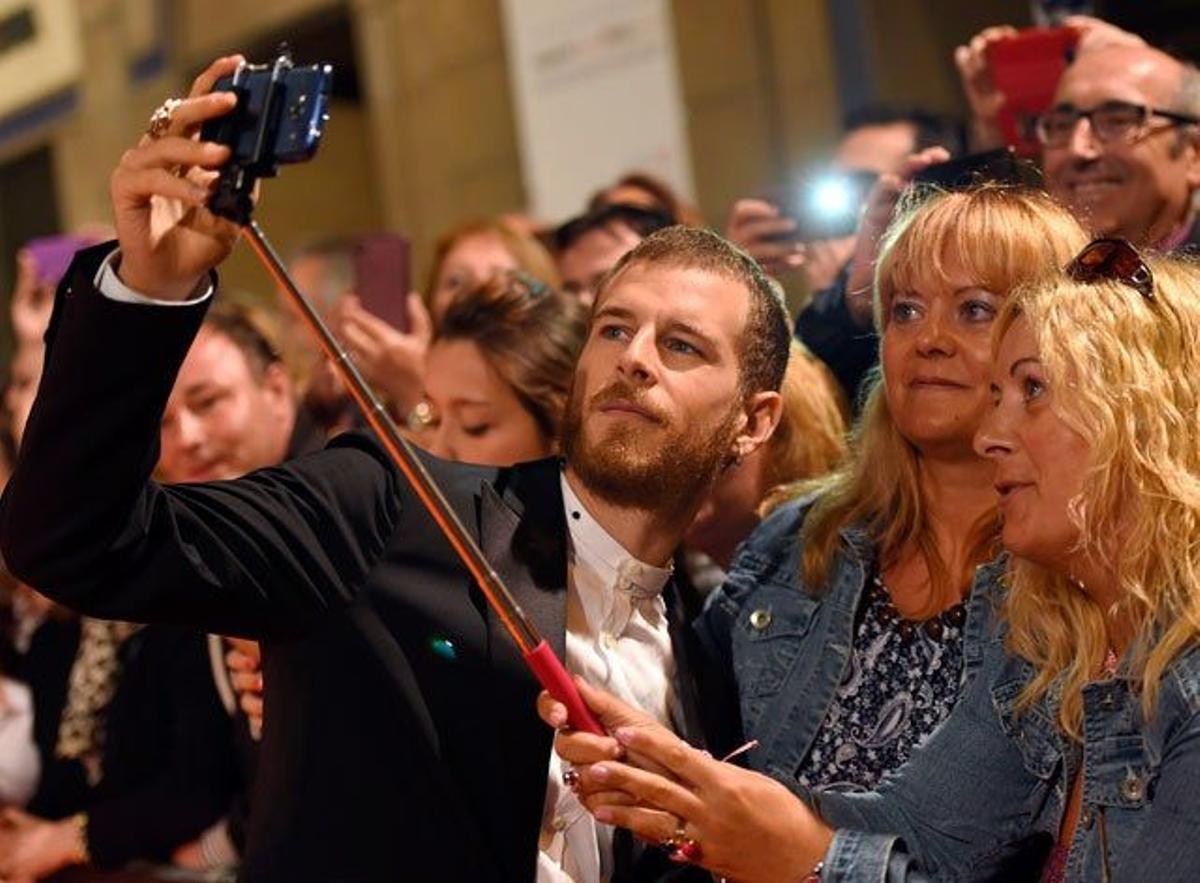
{"type": "Point", "coordinates": [400, 736]}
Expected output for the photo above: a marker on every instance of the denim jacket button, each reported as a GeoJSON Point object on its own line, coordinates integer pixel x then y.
{"type": "Point", "coordinates": [1087, 817]}
{"type": "Point", "coordinates": [1108, 702]}
{"type": "Point", "coordinates": [760, 618]}
{"type": "Point", "coordinates": [1133, 788]}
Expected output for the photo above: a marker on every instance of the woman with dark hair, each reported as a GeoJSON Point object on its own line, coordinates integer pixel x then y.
{"type": "Point", "coordinates": [499, 370]}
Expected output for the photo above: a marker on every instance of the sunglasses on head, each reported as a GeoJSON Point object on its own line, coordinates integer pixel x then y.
{"type": "Point", "coordinates": [1113, 260]}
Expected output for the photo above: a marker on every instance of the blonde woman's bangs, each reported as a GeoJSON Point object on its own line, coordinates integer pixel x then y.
{"type": "Point", "coordinates": [983, 235]}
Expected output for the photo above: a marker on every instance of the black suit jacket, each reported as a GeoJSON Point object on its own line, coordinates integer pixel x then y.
{"type": "Point", "coordinates": [400, 740]}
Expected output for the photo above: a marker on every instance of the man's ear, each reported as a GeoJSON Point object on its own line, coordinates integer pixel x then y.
{"type": "Point", "coordinates": [763, 413]}
{"type": "Point", "coordinates": [277, 384]}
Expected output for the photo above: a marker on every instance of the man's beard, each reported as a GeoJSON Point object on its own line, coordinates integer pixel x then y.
{"type": "Point", "coordinates": [666, 472]}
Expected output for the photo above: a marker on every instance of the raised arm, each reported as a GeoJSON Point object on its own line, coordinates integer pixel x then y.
{"type": "Point", "coordinates": [82, 521]}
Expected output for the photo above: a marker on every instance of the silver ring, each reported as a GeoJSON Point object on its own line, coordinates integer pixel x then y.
{"type": "Point", "coordinates": [570, 778]}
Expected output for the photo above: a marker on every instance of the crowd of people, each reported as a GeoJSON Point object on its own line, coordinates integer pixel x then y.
{"type": "Point", "coordinates": [905, 587]}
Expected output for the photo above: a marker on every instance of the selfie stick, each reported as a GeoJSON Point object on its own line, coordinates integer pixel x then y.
{"type": "Point", "coordinates": [538, 654]}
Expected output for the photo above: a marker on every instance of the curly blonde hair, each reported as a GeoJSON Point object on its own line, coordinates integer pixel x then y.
{"type": "Point", "coordinates": [1124, 372]}
{"type": "Point", "coordinates": [1001, 237]}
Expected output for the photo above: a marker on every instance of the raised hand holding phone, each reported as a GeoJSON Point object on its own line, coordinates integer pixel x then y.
{"type": "Point", "coordinates": [881, 202]}
{"type": "Point", "coordinates": [392, 359]}
{"type": "Point", "coordinates": [160, 191]}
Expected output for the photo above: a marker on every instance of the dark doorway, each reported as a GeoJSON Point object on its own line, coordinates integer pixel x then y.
{"type": "Point", "coordinates": [28, 208]}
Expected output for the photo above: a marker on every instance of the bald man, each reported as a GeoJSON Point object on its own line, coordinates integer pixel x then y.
{"type": "Point", "coordinates": [1130, 171]}
{"type": "Point", "coordinates": [1121, 144]}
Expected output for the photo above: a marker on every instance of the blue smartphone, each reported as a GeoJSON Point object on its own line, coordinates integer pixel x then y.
{"type": "Point", "coordinates": [279, 119]}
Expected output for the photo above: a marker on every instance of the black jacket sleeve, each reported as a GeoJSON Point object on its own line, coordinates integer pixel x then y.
{"type": "Point", "coordinates": [828, 329]}
{"type": "Point", "coordinates": [82, 521]}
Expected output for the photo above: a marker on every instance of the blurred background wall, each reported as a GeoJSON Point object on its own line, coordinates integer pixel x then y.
{"type": "Point", "coordinates": [423, 133]}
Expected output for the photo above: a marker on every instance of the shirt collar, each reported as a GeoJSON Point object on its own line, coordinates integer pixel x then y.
{"type": "Point", "coordinates": [597, 548]}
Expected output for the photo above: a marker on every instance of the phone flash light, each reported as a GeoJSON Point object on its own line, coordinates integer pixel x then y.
{"type": "Point", "coordinates": [832, 197]}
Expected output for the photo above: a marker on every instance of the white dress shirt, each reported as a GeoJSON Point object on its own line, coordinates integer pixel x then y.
{"type": "Point", "coordinates": [617, 638]}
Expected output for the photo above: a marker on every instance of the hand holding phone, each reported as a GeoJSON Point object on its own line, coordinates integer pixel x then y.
{"type": "Point", "coordinates": [391, 360]}
{"type": "Point", "coordinates": [828, 204]}
{"type": "Point", "coordinates": [983, 96]}
{"type": "Point", "coordinates": [876, 216]}
{"type": "Point", "coordinates": [160, 192]}
{"type": "Point", "coordinates": [1026, 67]}
{"type": "Point", "coordinates": [766, 234]}
{"type": "Point", "coordinates": [279, 118]}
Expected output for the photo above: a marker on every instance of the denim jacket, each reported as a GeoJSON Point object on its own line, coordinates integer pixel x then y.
{"type": "Point", "coordinates": [788, 646]}
{"type": "Point", "coordinates": [988, 782]}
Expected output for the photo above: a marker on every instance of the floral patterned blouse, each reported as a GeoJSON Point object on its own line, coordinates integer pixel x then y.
{"type": "Point", "coordinates": [902, 681]}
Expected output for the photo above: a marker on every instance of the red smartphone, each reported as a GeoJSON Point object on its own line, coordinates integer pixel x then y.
{"type": "Point", "coordinates": [382, 269]}
{"type": "Point", "coordinates": [1026, 68]}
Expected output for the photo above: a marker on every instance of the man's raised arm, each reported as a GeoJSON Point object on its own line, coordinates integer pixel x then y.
{"type": "Point", "coordinates": [81, 520]}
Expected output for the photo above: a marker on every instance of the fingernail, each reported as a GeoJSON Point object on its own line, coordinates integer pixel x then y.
{"type": "Point", "coordinates": [558, 717]}
{"type": "Point", "coordinates": [600, 771]}
{"type": "Point", "coordinates": [625, 735]}
{"type": "Point", "coordinates": [603, 814]}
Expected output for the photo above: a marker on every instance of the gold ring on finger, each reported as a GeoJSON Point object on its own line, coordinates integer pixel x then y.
{"type": "Point", "coordinates": [160, 120]}
{"type": "Point", "coordinates": [680, 847]}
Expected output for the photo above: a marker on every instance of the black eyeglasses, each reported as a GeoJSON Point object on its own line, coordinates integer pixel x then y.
{"type": "Point", "coordinates": [1110, 121]}
{"type": "Point", "coordinates": [1115, 260]}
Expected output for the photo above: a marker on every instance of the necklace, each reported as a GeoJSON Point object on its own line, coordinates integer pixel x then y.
{"type": "Point", "coordinates": [935, 627]}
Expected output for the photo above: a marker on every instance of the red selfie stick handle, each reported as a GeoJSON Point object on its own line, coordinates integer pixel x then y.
{"type": "Point", "coordinates": [554, 677]}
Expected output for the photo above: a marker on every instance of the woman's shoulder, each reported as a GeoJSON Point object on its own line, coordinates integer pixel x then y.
{"type": "Point", "coordinates": [1183, 684]}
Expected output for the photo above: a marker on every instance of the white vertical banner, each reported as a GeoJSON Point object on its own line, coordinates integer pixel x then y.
{"type": "Point", "coordinates": [597, 94]}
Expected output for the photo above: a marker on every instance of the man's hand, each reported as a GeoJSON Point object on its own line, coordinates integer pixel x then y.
{"type": "Point", "coordinates": [984, 99]}
{"type": "Point", "coordinates": [392, 360]}
{"type": "Point", "coordinates": [881, 203]}
{"type": "Point", "coordinates": [767, 235]}
{"type": "Point", "coordinates": [189, 856]}
{"type": "Point", "coordinates": [168, 238]}
{"type": "Point", "coordinates": [33, 848]}
{"type": "Point", "coordinates": [244, 662]}
{"type": "Point", "coordinates": [32, 302]}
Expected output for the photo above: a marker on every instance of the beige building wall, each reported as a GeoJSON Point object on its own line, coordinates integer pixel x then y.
{"type": "Point", "coordinates": [433, 140]}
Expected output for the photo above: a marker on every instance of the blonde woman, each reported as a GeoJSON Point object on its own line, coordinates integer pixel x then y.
{"type": "Point", "coordinates": [849, 618]}
{"type": "Point", "coordinates": [1081, 731]}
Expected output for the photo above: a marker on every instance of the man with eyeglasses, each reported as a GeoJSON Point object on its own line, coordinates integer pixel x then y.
{"type": "Point", "coordinates": [1121, 143]}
